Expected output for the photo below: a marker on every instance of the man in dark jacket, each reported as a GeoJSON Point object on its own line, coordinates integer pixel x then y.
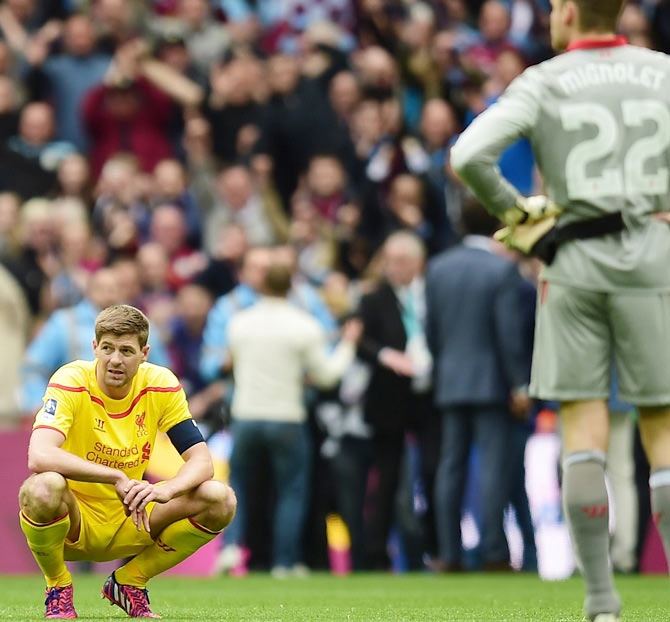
{"type": "Point", "coordinates": [474, 332]}
{"type": "Point", "coordinates": [398, 395]}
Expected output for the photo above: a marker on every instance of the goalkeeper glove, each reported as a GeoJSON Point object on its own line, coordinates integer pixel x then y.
{"type": "Point", "coordinates": [527, 209]}
{"type": "Point", "coordinates": [528, 222]}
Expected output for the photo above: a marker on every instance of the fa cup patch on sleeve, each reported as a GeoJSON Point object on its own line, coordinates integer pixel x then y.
{"type": "Point", "coordinates": [50, 409]}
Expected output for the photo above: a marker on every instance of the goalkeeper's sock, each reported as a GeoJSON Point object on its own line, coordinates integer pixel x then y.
{"type": "Point", "coordinates": [46, 541]}
{"type": "Point", "coordinates": [659, 482]}
{"type": "Point", "coordinates": [587, 511]}
{"type": "Point", "coordinates": [174, 544]}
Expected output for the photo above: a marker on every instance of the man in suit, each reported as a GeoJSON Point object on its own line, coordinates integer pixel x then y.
{"type": "Point", "coordinates": [398, 396]}
{"type": "Point", "coordinates": [474, 332]}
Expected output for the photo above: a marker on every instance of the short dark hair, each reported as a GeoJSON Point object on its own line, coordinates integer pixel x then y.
{"type": "Point", "coordinates": [598, 15]}
{"type": "Point", "coordinates": [121, 320]}
{"type": "Point", "coordinates": [476, 220]}
{"type": "Point", "coordinates": [278, 280]}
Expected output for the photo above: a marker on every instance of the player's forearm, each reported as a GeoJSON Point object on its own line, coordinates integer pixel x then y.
{"type": "Point", "coordinates": [476, 153]}
{"type": "Point", "coordinates": [483, 177]}
{"type": "Point", "coordinates": [475, 161]}
{"type": "Point", "coordinates": [70, 466]}
{"type": "Point", "coordinates": [196, 470]}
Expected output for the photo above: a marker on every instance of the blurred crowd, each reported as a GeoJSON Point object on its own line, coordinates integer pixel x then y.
{"type": "Point", "coordinates": [167, 153]}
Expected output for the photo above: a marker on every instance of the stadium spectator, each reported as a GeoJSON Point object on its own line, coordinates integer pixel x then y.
{"type": "Point", "coordinates": [235, 106]}
{"type": "Point", "coordinates": [225, 261]}
{"type": "Point", "coordinates": [74, 180]}
{"type": "Point", "coordinates": [205, 39]}
{"type": "Point", "coordinates": [65, 78]}
{"type": "Point", "coordinates": [473, 309]}
{"type": "Point", "coordinates": [9, 107]}
{"type": "Point", "coordinates": [215, 360]}
{"type": "Point", "coordinates": [303, 293]}
{"type": "Point", "coordinates": [127, 113]}
{"type": "Point", "coordinates": [494, 24]}
{"type": "Point", "coordinates": [184, 340]}
{"type": "Point", "coordinates": [132, 109]}
{"type": "Point", "coordinates": [78, 259]}
{"type": "Point", "coordinates": [34, 260]}
{"type": "Point", "coordinates": [170, 185]}
{"type": "Point", "coordinates": [397, 397]}
{"type": "Point", "coordinates": [168, 228]}
{"type": "Point", "coordinates": [9, 219]}
{"type": "Point", "coordinates": [29, 159]}
{"type": "Point", "coordinates": [312, 238]}
{"type": "Point", "coordinates": [237, 199]}
{"type": "Point", "coordinates": [15, 325]}
{"type": "Point", "coordinates": [272, 345]}
{"type": "Point", "coordinates": [294, 113]}
{"type": "Point", "coordinates": [409, 208]}
{"type": "Point", "coordinates": [153, 263]}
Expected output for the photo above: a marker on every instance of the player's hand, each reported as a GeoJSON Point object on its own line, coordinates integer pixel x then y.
{"type": "Point", "coordinates": [530, 209]}
{"type": "Point", "coordinates": [662, 216]}
{"type": "Point", "coordinates": [520, 404]}
{"type": "Point", "coordinates": [352, 330]}
{"type": "Point", "coordinates": [528, 222]}
{"type": "Point", "coordinates": [139, 493]}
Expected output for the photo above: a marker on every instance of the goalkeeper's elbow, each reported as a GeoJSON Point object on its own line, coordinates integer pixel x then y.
{"type": "Point", "coordinates": [460, 160]}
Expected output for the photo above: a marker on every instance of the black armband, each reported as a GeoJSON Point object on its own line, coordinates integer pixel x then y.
{"type": "Point", "coordinates": [184, 435]}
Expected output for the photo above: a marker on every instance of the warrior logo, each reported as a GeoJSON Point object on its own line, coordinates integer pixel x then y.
{"type": "Point", "coordinates": [139, 422]}
{"type": "Point", "coordinates": [166, 547]}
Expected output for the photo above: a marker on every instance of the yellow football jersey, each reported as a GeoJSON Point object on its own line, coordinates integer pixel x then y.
{"type": "Point", "coordinates": [116, 433]}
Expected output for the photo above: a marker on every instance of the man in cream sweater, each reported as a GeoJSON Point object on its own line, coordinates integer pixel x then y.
{"type": "Point", "coordinates": [273, 345]}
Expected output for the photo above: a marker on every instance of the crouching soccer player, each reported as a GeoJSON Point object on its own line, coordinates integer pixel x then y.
{"type": "Point", "coordinates": [91, 442]}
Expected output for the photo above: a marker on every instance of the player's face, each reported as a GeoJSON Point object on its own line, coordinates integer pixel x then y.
{"type": "Point", "coordinates": [559, 36]}
{"type": "Point", "coordinates": [118, 360]}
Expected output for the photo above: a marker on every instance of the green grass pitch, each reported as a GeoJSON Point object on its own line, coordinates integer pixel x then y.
{"type": "Point", "coordinates": [364, 598]}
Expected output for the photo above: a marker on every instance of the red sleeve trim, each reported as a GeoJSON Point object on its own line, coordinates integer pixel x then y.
{"type": "Point", "coordinates": [49, 427]}
{"type": "Point", "coordinates": [125, 413]}
{"type": "Point", "coordinates": [201, 528]}
{"type": "Point", "coordinates": [34, 524]}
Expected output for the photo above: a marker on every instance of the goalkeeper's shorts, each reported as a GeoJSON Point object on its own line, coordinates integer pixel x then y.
{"type": "Point", "coordinates": [579, 333]}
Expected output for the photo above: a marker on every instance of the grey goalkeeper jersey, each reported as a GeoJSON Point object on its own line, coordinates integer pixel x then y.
{"type": "Point", "coordinates": [598, 120]}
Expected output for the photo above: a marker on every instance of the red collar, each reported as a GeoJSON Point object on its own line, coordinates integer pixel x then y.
{"type": "Point", "coordinates": [589, 44]}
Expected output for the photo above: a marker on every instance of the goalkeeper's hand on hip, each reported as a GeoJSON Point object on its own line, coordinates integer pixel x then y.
{"type": "Point", "coordinates": [528, 221]}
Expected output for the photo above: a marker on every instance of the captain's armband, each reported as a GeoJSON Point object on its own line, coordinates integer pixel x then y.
{"type": "Point", "coordinates": [184, 435]}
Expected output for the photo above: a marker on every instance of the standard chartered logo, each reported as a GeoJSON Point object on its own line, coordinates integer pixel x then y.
{"type": "Point", "coordinates": [118, 457]}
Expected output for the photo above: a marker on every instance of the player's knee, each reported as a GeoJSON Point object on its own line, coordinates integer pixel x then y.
{"type": "Point", "coordinates": [42, 493]}
{"type": "Point", "coordinates": [221, 502]}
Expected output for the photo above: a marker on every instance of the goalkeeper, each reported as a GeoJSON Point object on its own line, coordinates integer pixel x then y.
{"type": "Point", "coordinates": [598, 119]}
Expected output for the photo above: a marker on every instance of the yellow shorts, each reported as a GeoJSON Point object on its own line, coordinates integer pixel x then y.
{"type": "Point", "coordinates": [106, 533]}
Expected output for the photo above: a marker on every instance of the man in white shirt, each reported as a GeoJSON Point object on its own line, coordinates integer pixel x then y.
{"type": "Point", "coordinates": [272, 345]}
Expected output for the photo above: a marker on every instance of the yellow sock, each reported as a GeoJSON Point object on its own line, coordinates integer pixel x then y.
{"type": "Point", "coordinates": [46, 542]}
{"type": "Point", "coordinates": [175, 543]}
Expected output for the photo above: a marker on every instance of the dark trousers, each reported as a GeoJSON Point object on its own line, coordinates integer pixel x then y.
{"type": "Point", "coordinates": [387, 453]}
{"type": "Point", "coordinates": [288, 447]}
{"type": "Point", "coordinates": [349, 469]}
{"type": "Point", "coordinates": [489, 426]}
{"type": "Point", "coordinates": [518, 497]}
